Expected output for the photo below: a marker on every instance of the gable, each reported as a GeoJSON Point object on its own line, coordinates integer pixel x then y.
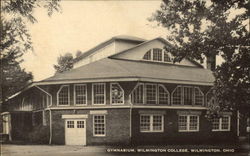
{"type": "Point", "coordinates": [138, 52]}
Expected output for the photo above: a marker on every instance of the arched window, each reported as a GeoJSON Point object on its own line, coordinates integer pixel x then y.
{"type": "Point", "coordinates": [157, 55]}
{"type": "Point", "coordinates": [163, 95]}
{"type": "Point", "coordinates": [147, 56]}
{"type": "Point", "coordinates": [187, 95]}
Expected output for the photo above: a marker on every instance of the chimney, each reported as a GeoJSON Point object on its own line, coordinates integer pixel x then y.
{"type": "Point", "coordinates": [211, 62]}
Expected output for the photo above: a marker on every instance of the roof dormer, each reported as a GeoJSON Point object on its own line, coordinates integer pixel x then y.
{"type": "Point", "coordinates": [157, 55]}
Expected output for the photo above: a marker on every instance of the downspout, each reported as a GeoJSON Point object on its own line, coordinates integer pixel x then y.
{"type": "Point", "coordinates": [238, 123]}
{"type": "Point", "coordinates": [50, 114]}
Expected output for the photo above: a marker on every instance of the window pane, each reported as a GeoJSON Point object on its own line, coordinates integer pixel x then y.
{"type": "Point", "coordinates": [177, 96]}
{"type": "Point", "coordinates": [137, 95]}
{"type": "Point", "coordinates": [198, 96]}
{"type": "Point", "coordinates": [150, 94]}
{"type": "Point", "coordinates": [80, 94]}
{"type": "Point", "coordinates": [80, 124]}
{"type": "Point", "coordinates": [182, 122]}
{"type": "Point", "coordinates": [145, 123]}
{"type": "Point", "coordinates": [163, 95]}
{"type": "Point", "coordinates": [99, 93]}
{"type": "Point", "coordinates": [225, 123]}
{"type": "Point", "coordinates": [157, 54]}
{"type": "Point", "coordinates": [147, 56]}
{"type": "Point", "coordinates": [216, 124]}
{"type": "Point", "coordinates": [157, 123]}
{"type": "Point", "coordinates": [117, 94]}
{"type": "Point", "coordinates": [63, 96]}
{"type": "Point", "coordinates": [99, 125]}
{"type": "Point", "coordinates": [70, 124]}
{"type": "Point", "coordinates": [193, 123]}
{"type": "Point", "coordinates": [188, 95]}
{"type": "Point", "coordinates": [166, 57]}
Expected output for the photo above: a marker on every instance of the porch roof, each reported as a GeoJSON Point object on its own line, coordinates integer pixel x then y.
{"type": "Point", "coordinates": [110, 68]}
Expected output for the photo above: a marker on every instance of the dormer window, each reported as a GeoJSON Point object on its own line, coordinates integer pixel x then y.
{"type": "Point", "coordinates": [157, 55]}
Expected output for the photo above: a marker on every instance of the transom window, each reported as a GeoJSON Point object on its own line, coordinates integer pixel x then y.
{"type": "Point", "coordinates": [157, 55]}
{"type": "Point", "coordinates": [150, 93]}
{"type": "Point", "coordinates": [63, 95]}
{"type": "Point", "coordinates": [151, 123]}
{"type": "Point", "coordinates": [187, 95]}
{"type": "Point", "coordinates": [98, 93]}
{"type": "Point", "coordinates": [116, 93]}
{"type": "Point", "coordinates": [221, 124]}
{"type": "Point", "coordinates": [99, 126]}
{"type": "Point", "coordinates": [80, 94]}
{"type": "Point", "coordinates": [188, 123]}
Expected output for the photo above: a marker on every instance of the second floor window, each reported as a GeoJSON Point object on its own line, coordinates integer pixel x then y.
{"type": "Point", "coordinates": [63, 95]}
{"type": "Point", "coordinates": [80, 94]}
{"type": "Point", "coordinates": [98, 93]}
{"type": "Point", "coordinates": [117, 93]}
{"type": "Point", "coordinates": [187, 95]}
{"type": "Point", "coordinates": [150, 93]}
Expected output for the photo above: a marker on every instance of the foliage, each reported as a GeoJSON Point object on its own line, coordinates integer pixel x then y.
{"type": "Point", "coordinates": [40, 135]}
{"type": "Point", "coordinates": [65, 63]}
{"type": "Point", "coordinates": [202, 29]}
{"type": "Point", "coordinates": [15, 40]}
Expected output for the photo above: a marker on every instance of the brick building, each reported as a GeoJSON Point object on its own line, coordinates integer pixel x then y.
{"type": "Point", "coordinates": [125, 90]}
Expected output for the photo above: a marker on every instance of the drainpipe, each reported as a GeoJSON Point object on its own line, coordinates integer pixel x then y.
{"type": "Point", "coordinates": [238, 123]}
{"type": "Point", "coordinates": [50, 114]}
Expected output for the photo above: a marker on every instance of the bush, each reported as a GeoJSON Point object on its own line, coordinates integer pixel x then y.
{"type": "Point", "coordinates": [39, 135]}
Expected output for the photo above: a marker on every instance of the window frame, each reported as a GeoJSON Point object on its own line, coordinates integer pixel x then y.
{"type": "Point", "coordinates": [123, 94]}
{"type": "Point", "coordinates": [145, 93]}
{"type": "Point", "coordinates": [220, 124]}
{"type": "Point", "coordinates": [158, 93]}
{"type": "Point", "coordinates": [99, 135]}
{"type": "Point", "coordinates": [143, 90]}
{"type": "Point", "coordinates": [58, 92]}
{"type": "Point", "coordinates": [151, 127]}
{"type": "Point", "coordinates": [93, 96]}
{"type": "Point", "coordinates": [151, 55]}
{"type": "Point", "coordinates": [188, 123]}
{"type": "Point", "coordinates": [86, 94]}
{"type": "Point", "coordinates": [182, 95]}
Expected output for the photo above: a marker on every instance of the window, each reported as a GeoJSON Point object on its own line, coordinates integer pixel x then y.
{"type": "Point", "coordinates": [187, 95]}
{"type": "Point", "coordinates": [147, 56]}
{"type": "Point", "coordinates": [80, 124]}
{"type": "Point", "coordinates": [153, 94]}
{"type": "Point", "coordinates": [80, 94]}
{"type": "Point", "coordinates": [157, 55]}
{"type": "Point", "coordinates": [63, 95]}
{"type": "Point", "coordinates": [188, 123]}
{"type": "Point", "coordinates": [70, 124]}
{"type": "Point", "coordinates": [163, 95]}
{"type": "Point", "coordinates": [221, 124]}
{"type": "Point", "coordinates": [151, 123]}
{"type": "Point", "coordinates": [176, 96]}
{"type": "Point", "coordinates": [99, 125]}
{"type": "Point", "coordinates": [116, 93]}
{"type": "Point", "coordinates": [138, 94]}
{"type": "Point", "coordinates": [210, 99]}
{"type": "Point", "coordinates": [98, 94]}
{"type": "Point", "coordinates": [198, 96]}
{"type": "Point", "coordinates": [150, 93]}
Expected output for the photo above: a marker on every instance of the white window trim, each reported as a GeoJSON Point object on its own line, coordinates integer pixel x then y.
{"type": "Point", "coordinates": [85, 95]}
{"type": "Point", "coordinates": [143, 88]}
{"type": "Point", "coordinates": [99, 135]}
{"type": "Point", "coordinates": [220, 124]}
{"type": "Point", "coordinates": [172, 95]}
{"type": "Point", "coordinates": [57, 95]}
{"type": "Point", "coordinates": [162, 55]}
{"type": "Point", "coordinates": [123, 94]}
{"type": "Point", "coordinates": [158, 101]}
{"type": "Point", "coordinates": [206, 98]}
{"type": "Point", "coordinates": [145, 92]}
{"type": "Point", "coordinates": [188, 124]}
{"type": "Point", "coordinates": [103, 93]}
{"type": "Point", "coordinates": [151, 123]}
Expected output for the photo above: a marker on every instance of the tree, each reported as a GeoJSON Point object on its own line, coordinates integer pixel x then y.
{"type": "Point", "coordinates": [15, 40]}
{"type": "Point", "coordinates": [64, 63]}
{"type": "Point", "coordinates": [200, 29]}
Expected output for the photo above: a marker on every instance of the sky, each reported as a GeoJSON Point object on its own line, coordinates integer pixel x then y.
{"type": "Point", "coordinates": [83, 24]}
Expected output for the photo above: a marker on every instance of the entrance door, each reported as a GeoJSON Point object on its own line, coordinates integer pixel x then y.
{"type": "Point", "coordinates": [75, 132]}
